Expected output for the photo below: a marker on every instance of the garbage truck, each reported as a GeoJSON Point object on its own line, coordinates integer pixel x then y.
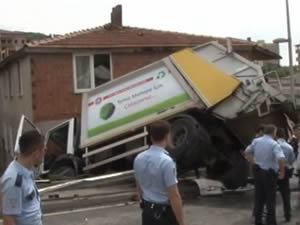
{"type": "Point", "coordinates": [213, 98]}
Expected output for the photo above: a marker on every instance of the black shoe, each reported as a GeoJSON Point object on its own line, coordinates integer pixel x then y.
{"type": "Point", "coordinates": [287, 219]}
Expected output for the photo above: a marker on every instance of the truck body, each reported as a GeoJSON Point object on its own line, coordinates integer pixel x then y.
{"type": "Point", "coordinates": [209, 95]}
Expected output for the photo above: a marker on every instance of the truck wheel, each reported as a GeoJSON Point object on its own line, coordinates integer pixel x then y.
{"type": "Point", "coordinates": [238, 174]}
{"type": "Point", "coordinates": [200, 154]}
{"type": "Point", "coordinates": [65, 166]}
{"type": "Point", "coordinates": [62, 172]}
{"type": "Point", "coordinates": [187, 135]}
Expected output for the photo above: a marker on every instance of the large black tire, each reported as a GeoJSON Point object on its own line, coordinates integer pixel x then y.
{"type": "Point", "coordinates": [62, 173]}
{"type": "Point", "coordinates": [190, 140]}
{"type": "Point", "coordinates": [237, 176]}
{"type": "Point", "coordinates": [65, 166]}
{"type": "Point", "coordinates": [232, 172]}
{"type": "Point", "coordinates": [201, 154]}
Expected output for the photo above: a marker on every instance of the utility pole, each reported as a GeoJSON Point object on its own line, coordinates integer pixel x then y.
{"type": "Point", "coordinates": [292, 78]}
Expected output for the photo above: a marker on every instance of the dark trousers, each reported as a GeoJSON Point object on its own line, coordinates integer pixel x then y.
{"type": "Point", "coordinates": [158, 215]}
{"type": "Point", "coordinates": [298, 174]}
{"type": "Point", "coordinates": [284, 189]}
{"type": "Point", "coordinates": [265, 182]}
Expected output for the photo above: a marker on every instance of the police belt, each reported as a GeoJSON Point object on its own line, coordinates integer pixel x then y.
{"type": "Point", "coordinates": [154, 206]}
{"type": "Point", "coordinates": [289, 171]}
{"type": "Point", "coordinates": [258, 168]}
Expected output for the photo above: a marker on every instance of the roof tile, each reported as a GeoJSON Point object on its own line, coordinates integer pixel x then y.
{"type": "Point", "coordinates": [106, 36]}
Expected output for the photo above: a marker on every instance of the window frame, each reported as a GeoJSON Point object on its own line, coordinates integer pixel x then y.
{"type": "Point", "coordinates": [92, 70]}
{"type": "Point", "coordinates": [23, 119]}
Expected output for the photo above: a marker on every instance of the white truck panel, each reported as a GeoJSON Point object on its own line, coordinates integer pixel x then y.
{"type": "Point", "coordinates": [134, 100]}
{"type": "Point", "coordinates": [173, 85]}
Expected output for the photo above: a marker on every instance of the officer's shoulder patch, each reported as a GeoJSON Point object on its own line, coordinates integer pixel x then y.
{"type": "Point", "coordinates": [19, 180]}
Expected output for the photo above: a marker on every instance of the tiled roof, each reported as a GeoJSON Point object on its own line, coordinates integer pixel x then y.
{"type": "Point", "coordinates": [106, 37]}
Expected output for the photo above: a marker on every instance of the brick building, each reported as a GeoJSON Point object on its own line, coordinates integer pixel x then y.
{"type": "Point", "coordinates": [45, 79]}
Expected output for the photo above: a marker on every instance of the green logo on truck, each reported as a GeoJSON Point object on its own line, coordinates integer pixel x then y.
{"type": "Point", "coordinates": [107, 111]}
{"type": "Point", "coordinates": [161, 75]}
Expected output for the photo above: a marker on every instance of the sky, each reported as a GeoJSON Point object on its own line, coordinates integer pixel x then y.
{"type": "Point", "coordinates": [258, 19]}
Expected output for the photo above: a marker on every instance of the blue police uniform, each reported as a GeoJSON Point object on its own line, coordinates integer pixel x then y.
{"type": "Point", "coordinates": [155, 171]}
{"type": "Point", "coordinates": [20, 195]}
{"type": "Point", "coordinates": [288, 151]}
{"type": "Point", "coordinates": [266, 152]}
{"type": "Point", "coordinates": [298, 162]}
{"type": "Point", "coordinates": [284, 184]}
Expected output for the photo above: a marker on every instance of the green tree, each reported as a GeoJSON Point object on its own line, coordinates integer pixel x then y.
{"type": "Point", "coordinates": [282, 71]}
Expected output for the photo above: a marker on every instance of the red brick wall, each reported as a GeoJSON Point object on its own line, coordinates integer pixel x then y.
{"type": "Point", "coordinates": [126, 62]}
{"type": "Point", "coordinates": [52, 81]}
{"type": "Point", "coordinates": [52, 87]}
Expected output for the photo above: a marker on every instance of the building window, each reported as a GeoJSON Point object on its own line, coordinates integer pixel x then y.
{"type": "Point", "coordinates": [91, 70]}
{"type": "Point", "coordinates": [102, 69]}
{"type": "Point", "coordinates": [83, 72]}
{"type": "Point", "coordinates": [20, 80]}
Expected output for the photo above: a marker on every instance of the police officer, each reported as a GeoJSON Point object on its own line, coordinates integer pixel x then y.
{"type": "Point", "coordinates": [20, 197]}
{"type": "Point", "coordinates": [155, 174]}
{"type": "Point", "coordinates": [284, 184]}
{"type": "Point", "coordinates": [268, 159]}
{"type": "Point", "coordinates": [259, 132]}
{"type": "Point", "coordinates": [296, 145]}
{"type": "Point", "coordinates": [295, 139]}
{"type": "Point", "coordinates": [295, 142]}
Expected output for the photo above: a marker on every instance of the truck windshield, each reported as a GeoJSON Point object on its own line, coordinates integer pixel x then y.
{"type": "Point", "coordinates": [56, 145]}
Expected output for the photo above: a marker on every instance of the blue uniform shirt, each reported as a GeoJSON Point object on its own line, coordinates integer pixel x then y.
{"type": "Point", "coordinates": [155, 171]}
{"type": "Point", "coordinates": [298, 157]}
{"type": "Point", "coordinates": [20, 195]}
{"type": "Point", "coordinates": [288, 151]}
{"type": "Point", "coordinates": [266, 152]}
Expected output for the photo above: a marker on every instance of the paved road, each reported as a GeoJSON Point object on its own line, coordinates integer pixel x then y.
{"type": "Point", "coordinates": [233, 208]}
{"type": "Point", "coordinates": [229, 209]}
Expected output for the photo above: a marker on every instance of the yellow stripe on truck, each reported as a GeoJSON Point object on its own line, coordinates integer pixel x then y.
{"type": "Point", "coordinates": [212, 84]}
